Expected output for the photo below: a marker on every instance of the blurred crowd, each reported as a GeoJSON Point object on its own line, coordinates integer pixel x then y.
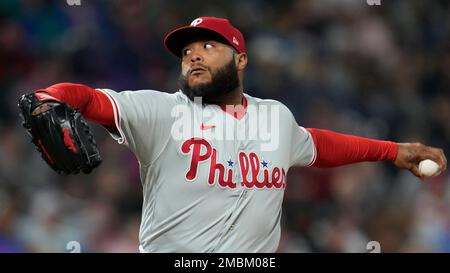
{"type": "Point", "coordinates": [375, 71]}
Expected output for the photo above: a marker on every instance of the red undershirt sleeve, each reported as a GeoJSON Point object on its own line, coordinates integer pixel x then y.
{"type": "Point", "coordinates": [93, 104]}
{"type": "Point", "coordinates": [334, 149]}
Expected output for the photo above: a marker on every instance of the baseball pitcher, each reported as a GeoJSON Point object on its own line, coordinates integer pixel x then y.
{"type": "Point", "coordinates": [213, 159]}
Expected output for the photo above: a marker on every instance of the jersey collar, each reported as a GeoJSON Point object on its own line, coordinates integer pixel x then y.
{"type": "Point", "coordinates": [236, 112]}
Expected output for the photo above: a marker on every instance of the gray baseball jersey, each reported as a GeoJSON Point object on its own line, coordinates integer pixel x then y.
{"type": "Point", "coordinates": [211, 182]}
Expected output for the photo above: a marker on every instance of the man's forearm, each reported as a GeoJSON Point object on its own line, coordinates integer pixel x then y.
{"type": "Point", "coordinates": [334, 149]}
{"type": "Point", "coordinates": [93, 104]}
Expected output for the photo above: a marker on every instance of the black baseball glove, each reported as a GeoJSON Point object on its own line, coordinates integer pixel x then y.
{"type": "Point", "coordinates": [60, 134]}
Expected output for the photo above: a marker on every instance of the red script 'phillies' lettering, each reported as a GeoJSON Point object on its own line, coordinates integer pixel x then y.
{"type": "Point", "coordinates": [250, 166]}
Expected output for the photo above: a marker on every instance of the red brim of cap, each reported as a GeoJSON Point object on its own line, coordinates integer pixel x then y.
{"type": "Point", "coordinates": [179, 38]}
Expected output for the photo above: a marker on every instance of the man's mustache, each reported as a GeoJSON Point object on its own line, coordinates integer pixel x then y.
{"type": "Point", "coordinates": [197, 67]}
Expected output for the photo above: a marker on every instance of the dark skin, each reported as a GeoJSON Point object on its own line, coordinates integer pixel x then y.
{"type": "Point", "coordinates": [410, 154]}
{"type": "Point", "coordinates": [203, 57]}
{"type": "Point", "coordinates": [207, 56]}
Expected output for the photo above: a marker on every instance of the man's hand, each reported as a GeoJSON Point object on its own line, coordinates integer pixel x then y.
{"type": "Point", "coordinates": [410, 154]}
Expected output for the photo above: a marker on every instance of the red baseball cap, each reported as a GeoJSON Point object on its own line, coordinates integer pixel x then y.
{"type": "Point", "coordinates": [216, 28]}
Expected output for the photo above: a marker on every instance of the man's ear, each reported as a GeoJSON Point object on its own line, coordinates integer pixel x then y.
{"type": "Point", "coordinates": [241, 61]}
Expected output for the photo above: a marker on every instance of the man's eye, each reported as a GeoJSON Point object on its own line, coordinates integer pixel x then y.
{"type": "Point", "coordinates": [186, 52]}
{"type": "Point", "coordinates": [208, 45]}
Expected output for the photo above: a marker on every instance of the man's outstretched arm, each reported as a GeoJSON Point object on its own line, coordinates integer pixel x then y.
{"type": "Point", "coordinates": [93, 104]}
{"type": "Point", "coordinates": [60, 134]}
{"type": "Point", "coordinates": [334, 149]}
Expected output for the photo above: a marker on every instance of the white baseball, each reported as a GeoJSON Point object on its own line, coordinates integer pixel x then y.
{"type": "Point", "coordinates": [428, 167]}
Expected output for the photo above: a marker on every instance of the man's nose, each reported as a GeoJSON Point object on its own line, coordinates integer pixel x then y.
{"type": "Point", "coordinates": [196, 57]}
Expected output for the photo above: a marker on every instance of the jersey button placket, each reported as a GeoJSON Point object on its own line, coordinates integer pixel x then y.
{"type": "Point", "coordinates": [240, 147]}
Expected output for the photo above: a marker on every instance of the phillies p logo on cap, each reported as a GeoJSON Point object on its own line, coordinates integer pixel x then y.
{"type": "Point", "coordinates": [216, 27]}
{"type": "Point", "coordinates": [196, 22]}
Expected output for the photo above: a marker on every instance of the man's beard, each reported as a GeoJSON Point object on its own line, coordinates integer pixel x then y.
{"type": "Point", "coordinates": [223, 81]}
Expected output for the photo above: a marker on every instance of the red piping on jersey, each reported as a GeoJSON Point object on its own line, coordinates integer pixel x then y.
{"type": "Point", "coordinates": [117, 118]}
{"type": "Point", "coordinates": [238, 111]}
{"type": "Point", "coordinates": [117, 111]}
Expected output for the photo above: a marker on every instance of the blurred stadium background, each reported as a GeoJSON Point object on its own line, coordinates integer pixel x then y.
{"type": "Point", "coordinates": [375, 71]}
